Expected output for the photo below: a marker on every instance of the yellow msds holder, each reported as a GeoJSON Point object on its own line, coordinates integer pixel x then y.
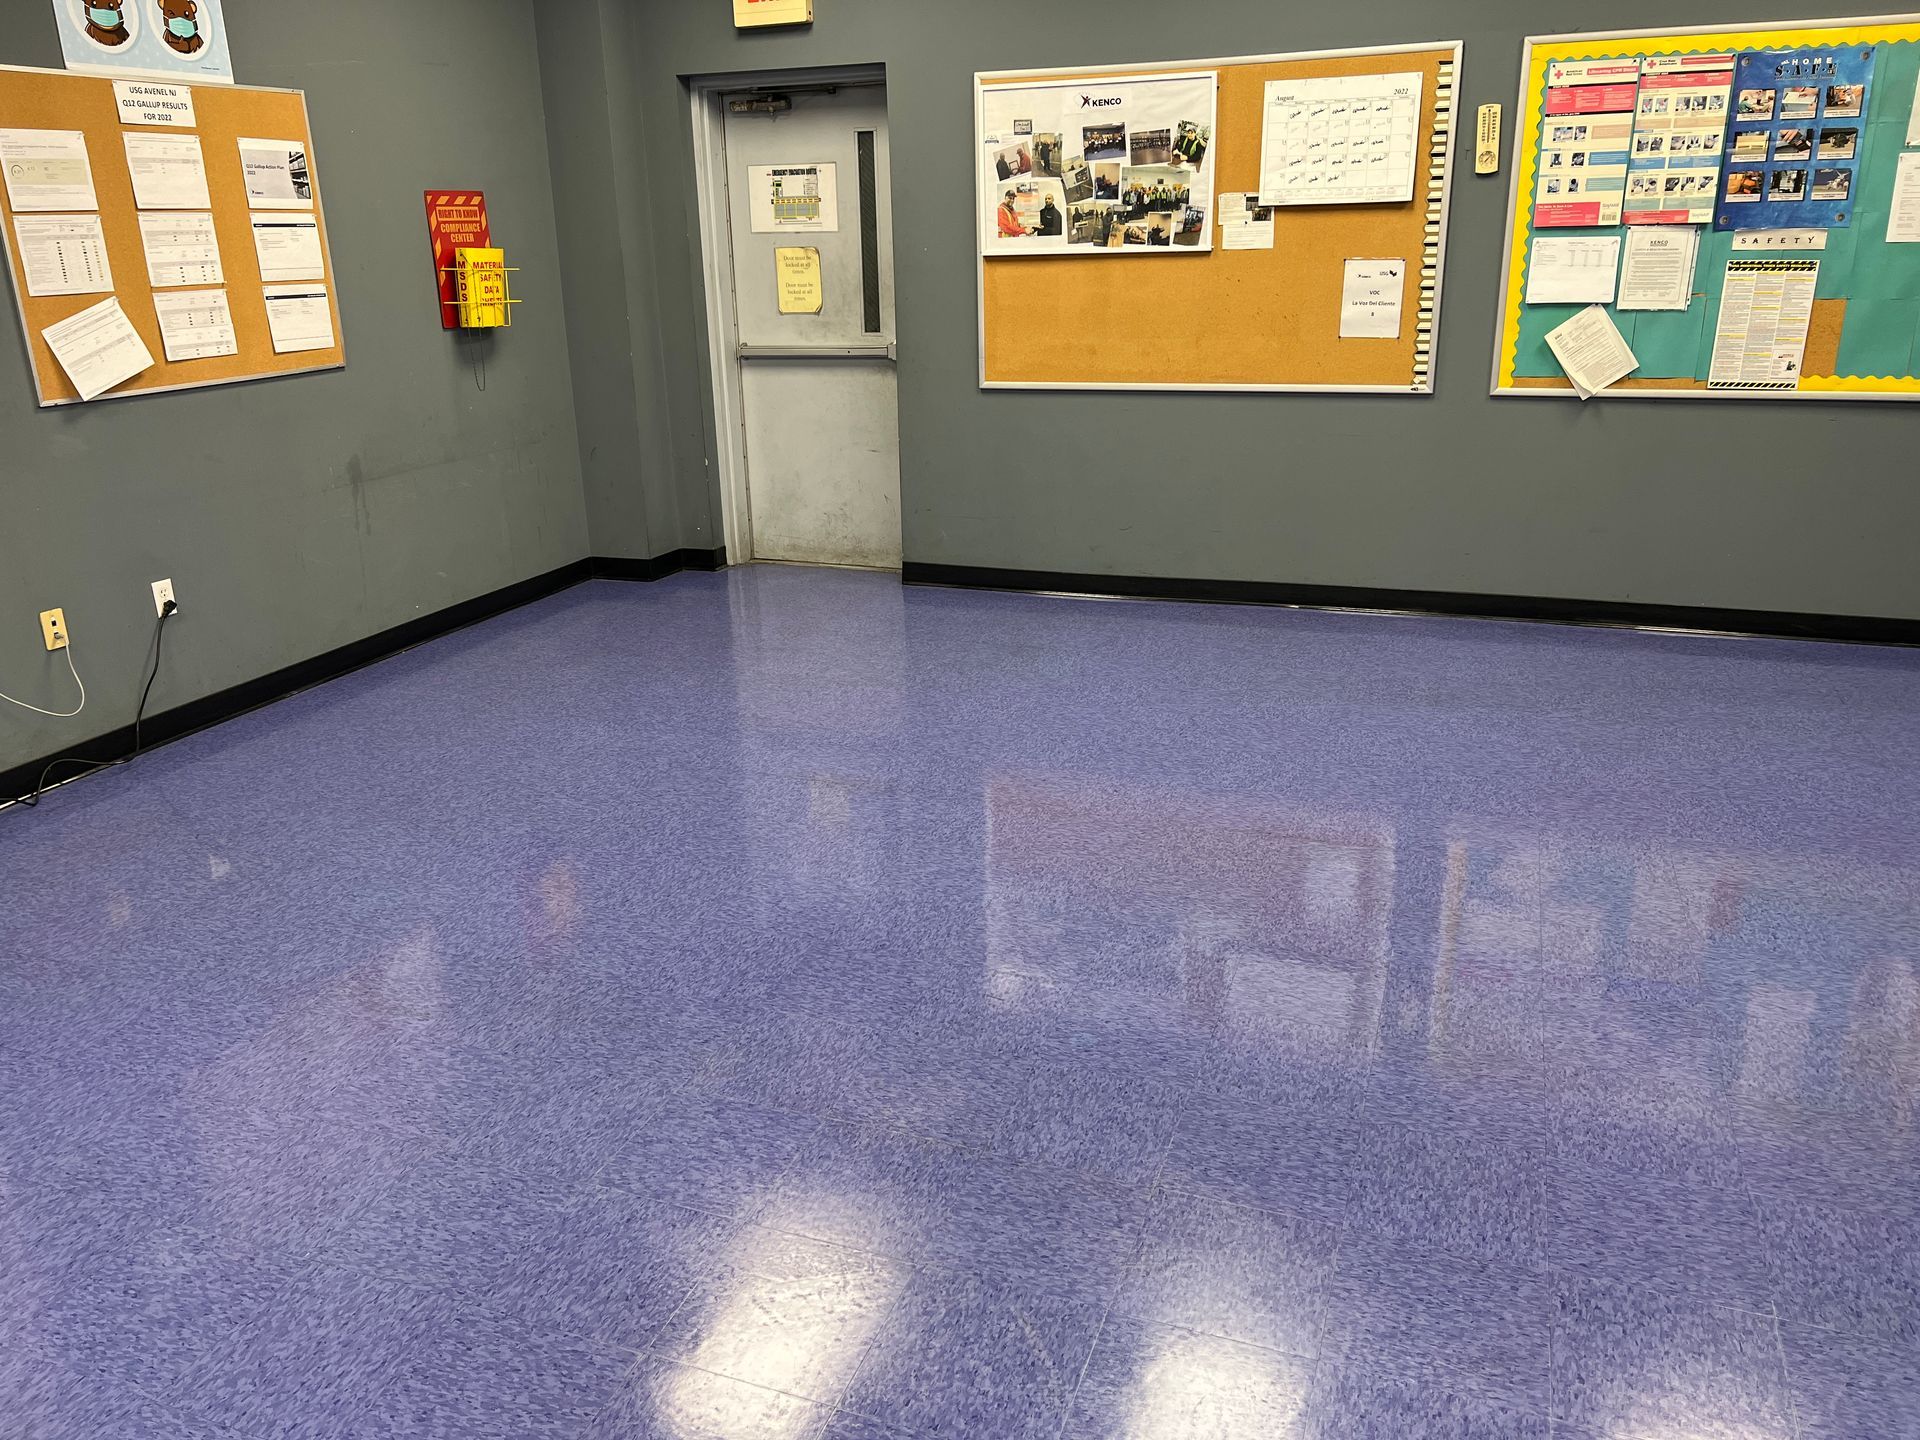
{"type": "Point", "coordinates": [481, 285]}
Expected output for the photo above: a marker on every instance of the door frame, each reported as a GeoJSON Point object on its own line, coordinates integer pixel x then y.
{"type": "Point", "coordinates": [707, 96]}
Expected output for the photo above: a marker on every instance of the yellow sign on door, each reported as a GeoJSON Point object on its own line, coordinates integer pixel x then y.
{"type": "Point", "coordinates": [798, 271]}
{"type": "Point", "coordinates": [749, 13]}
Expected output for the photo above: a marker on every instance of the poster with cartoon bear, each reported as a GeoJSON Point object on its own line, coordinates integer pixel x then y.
{"type": "Point", "coordinates": [168, 39]}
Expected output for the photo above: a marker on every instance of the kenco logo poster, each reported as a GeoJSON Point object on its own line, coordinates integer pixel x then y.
{"type": "Point", "coordinates": [749, 13]}
{"type": "Point", "coordinates": [1098, 167]}
{"type": "Point", "coordinates": [456, 220]}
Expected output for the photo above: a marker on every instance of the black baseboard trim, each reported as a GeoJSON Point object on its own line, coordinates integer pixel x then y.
{"type": "Point", "coordinates": [608, 567]}
{"type": "Point", "coordinates": [1769, 624]}
{"type": "Point", "coordinates": [237, 700]}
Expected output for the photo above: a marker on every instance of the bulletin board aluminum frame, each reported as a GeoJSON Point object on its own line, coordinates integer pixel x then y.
{"type": "Point", "coordinates": [1767, 34]}
{"type": "Point", "coordinates": [336, 354]}
{"type": "Point", "coordinates": [1422, 386]}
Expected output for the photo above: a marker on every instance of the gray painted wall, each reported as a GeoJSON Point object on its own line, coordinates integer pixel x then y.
{"type": "Point", "coordinates": [639, 502]}
{"type": "Point", "coordinates": [298, 515]}
{"type": "Point", "coordinates": [1454, 492]}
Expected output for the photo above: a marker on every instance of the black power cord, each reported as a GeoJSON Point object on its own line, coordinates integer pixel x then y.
{"type": "Point", "coordinates": [89, 766]}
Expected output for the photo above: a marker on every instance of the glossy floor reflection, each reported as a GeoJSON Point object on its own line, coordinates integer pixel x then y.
{"type": "Point", "coordinates": [778, 1006]}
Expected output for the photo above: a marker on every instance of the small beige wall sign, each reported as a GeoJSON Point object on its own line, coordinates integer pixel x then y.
{"type": "Point", "coordinates": [750, 14]}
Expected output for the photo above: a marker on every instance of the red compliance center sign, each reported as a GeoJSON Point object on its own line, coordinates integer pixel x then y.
{"type": "Point", "coordinates": [456, 220]}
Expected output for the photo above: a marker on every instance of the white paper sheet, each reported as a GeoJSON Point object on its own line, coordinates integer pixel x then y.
{"type": "Point", "coordinates": [47, 170]}
{"type": "Point", "coordinates": [98, 348]}
{"type": "Point", "coordinates": [1903, 220]}
{"type": "Point", "coordinates": [1913, 118]}
{"type": "Point", "coordinates": [63, 254]}
{"type": "Point", "coordinates": [1593, 352]}
{"type": "Point", "coordinates": [146, 102]}
{"type": "Point", "coordinates": [299, 318]}
{"type": "Point", "coordinates": [169, 172]}
{"type": "Point", "coordinates": [1245, 224]}
{"type": "Point", "coordinates": [1573, 270]}
{"type": "Point", "coordinates": [1766, 309]}
{"type": "Point", "coordinates": [277, 174]}
{"type": "Point", "coordinates": [1658, 271]}
{"type": "Point", "coordinates": [1372, 299]}
{"type": "Point", "coordinates": [182, 249]}
{"type": "Point", "coordinates": [1343, 140]}
{"type": "Point", "coordinates": [288, 247]}
{"type": "Point", "coordinates": [195, 324]}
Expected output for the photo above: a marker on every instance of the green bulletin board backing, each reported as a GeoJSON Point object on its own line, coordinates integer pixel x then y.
{"type": "Point", "coordinates": [1867, 310]}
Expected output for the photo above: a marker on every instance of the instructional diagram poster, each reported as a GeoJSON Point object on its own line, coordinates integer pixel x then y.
{"type": "Point", "coordinates": [789, 198]}
{"type": "Point", "coordinates": [1098, 166]}
{"type": "Point", "coordinates": [171, 39]}
{"type": "Point", "coordinates": [1679, 129]}
{"type": "Point", "coordinates": [1585, 139]}
{"type": "Point", "coordinates": [1794, 150]}
{"type": "Point", "coordinates": [1344, 140]}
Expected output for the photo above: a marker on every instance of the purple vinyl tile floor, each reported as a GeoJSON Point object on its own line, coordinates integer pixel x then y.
{"type": "Point", "coordinates": [778, 1005]}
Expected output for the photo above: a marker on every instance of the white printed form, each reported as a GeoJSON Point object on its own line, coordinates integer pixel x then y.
{"type": "Point", "coordinates": [299, 318]}
{"type": "Point", "coordinates": [47, 170]}
{"type": "Point", "coordinates": [182, 249]}
{"type": "Point", "coordinates": [98, 348]}
{"type": "Point", "coordinates": [1344, 140]}
{"type": "Point", "coordinates": [288, 246]}
{"type": "Point", "coordinates": [195, 324]}
{"type": "Point", "coordinates": [63, 254]}
{"type": "Point", "coordinates": [169, 172]}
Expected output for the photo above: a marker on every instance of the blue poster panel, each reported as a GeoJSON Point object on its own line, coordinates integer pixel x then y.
{"type": "Point", "coordinates": [1793, 143]}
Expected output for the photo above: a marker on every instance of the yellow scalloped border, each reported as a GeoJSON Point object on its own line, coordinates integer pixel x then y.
{"type": "Point", "coordinates": [1603, 47]}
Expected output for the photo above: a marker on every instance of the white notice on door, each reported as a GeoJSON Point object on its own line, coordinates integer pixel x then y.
{"type": "Point", "coordinates": [299, 318]}
{"type": "Point", "coordinates": [1372, 298]}
{"type": "Point", "coordinates": [63, 254]}
{"type": "Point", "coordinates": [288, 246]}
{"type": "Point", "coordinates": [803, 197]}
{"type": "Point", "coordinates": [98, 348]}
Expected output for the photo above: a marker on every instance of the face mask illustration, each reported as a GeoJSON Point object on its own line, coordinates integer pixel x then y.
{"type": "Point", "coordinates": [181, 29]}
{"type": "Point", "coordinates": [106, 25]}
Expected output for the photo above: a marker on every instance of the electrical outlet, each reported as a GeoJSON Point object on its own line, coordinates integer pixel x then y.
{"type": "Point", "coordinates": [162, 593]}
{"type": "Point", "coordinates": [53, 624]}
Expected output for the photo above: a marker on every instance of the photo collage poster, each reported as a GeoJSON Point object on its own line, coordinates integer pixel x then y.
{"type": "Point", "coordinates": [1089, 166]}
{"type": "Point", "coordinates": [1794, 149]}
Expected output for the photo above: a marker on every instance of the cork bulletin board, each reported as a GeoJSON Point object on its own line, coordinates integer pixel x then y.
{"type": "Point", "coordinates": [1261, 320]}
{"type": "Point", "coordinates": [1862, 323]}
{"type": "Point", "coordinates": [58, 100]}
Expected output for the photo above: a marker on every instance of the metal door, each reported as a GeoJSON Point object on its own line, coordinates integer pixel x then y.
{"type": "Point", "coordinates": [819, 404]}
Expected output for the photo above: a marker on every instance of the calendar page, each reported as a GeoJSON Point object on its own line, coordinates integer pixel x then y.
{"type": "Point", "coordinates": [1348, 140]}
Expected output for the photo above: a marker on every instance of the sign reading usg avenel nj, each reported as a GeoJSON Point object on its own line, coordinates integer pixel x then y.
{"type": "Point", "coordinates": [748, 14]}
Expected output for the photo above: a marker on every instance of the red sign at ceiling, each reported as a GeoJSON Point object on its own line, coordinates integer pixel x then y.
{"type": "Point", "coordinates": [456, 220]}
